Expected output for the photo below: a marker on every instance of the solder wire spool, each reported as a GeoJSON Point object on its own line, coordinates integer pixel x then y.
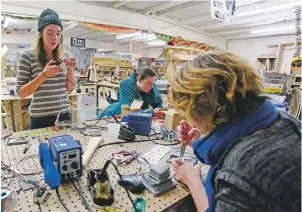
{"type": "Point", "coordinates": [118, 158]}
{"type": "Point", "coordinates": [6, 200]}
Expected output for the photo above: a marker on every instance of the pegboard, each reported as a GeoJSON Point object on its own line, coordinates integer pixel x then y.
{"type": "Point", "coordinates": [70, 196]}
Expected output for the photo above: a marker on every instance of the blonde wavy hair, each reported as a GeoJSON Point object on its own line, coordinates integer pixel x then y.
{"type": "Point", "coordinates": [215, 88]}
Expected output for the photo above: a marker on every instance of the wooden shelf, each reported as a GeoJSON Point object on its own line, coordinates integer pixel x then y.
{"type": "Point", "coordinates": [267, 57]}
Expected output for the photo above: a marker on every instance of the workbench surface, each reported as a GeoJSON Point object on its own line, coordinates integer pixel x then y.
{"type": "Point", "coordinates": [70, 196]}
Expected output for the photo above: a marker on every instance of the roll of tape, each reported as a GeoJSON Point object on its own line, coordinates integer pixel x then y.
{"type": "Point", "coordinates": [118, 158]}
{"type": "Point", "coordinates": [6, 200]}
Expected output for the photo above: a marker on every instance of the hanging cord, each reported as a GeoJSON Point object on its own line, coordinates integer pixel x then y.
{"type": "Point", "coordinates": [58, 195]}
{"type": "Point", "coordinates": [81, 194]}
{"type": "Point", "coordinates": [119, 174]}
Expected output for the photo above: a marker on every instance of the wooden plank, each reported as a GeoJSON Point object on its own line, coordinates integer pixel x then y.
{"type": "Point", "coordinates": [90, 149]}
{"type": "Point", "coordinates": [279, 59]}
{"type": "Point", "coordinates": [267, 57]}
{"type": "Point", "coordinates": [16, 113]}
{"type": "Point", "coordinates": [73, 102]}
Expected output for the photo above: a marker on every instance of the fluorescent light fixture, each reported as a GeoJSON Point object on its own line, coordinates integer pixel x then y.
{"type": "Point", "coordinates": [156, 43]}
{"type": "Point", "coordinates": [272, 29]}
{"type": "Point", "coordinates": [270, 9]}
{"type": "Point", "coordinates": [145, 37]}
{"type": "Point", "coordinates": [100, 50]}
{"type": "Point", "coordinates": [6, 21]}
{"type": "Point", "coordinates": [122, 36]}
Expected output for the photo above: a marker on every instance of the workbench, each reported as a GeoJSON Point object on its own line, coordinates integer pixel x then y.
{"type": "Point", "coordinates": [164, 202]}
{"type": "Point", "coordinates": [17, 119]}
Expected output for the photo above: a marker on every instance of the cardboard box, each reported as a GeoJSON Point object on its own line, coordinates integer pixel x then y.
{"type": "Point", "coordinates": [125, 110]}
{"type": "Point", "coordinates": [135, 107]}
{"type": "Point", "coordinates": [173, 118]}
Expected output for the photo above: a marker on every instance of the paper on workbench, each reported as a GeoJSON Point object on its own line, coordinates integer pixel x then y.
{"type": "Point", "coordinates": [156, 153]}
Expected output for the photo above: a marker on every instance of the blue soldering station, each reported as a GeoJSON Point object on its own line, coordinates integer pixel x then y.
{"type": "Point", "coordinates": [140, 122]}
{"type": "Point", "coordinates": [61, 159]}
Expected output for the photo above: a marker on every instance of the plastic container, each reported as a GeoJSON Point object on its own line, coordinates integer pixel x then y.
{"type": "Point", "coordinates": [113, 132]}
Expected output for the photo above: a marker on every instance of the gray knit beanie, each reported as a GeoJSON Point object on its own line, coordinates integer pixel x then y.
{"type": "Point", "coordinates": [49, 16]}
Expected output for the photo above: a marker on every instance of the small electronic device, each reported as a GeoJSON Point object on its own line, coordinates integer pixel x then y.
{"type": "Point", "coordinates": [57, 63]}
{"type": "Point", "coordinates": [126, 133]}
{"type": "Point", "coordinates": [140, 122]}
{"type": "Point", "coordinates": [158, 180]}
{"type": "Point", "coordinates": [157, 189]}
{"type": "Point", "coordinates": [17, 141]}
{"type": "Point", "coordinates": [40, 194]}
{"type": "Point", "coordinates": [67, 156]}
{"type": "Point", "coordinates": [132, 183]}
{"type": "Point", "coordinates": [140, 205]}
{"type": "Point", "coordinates": [160, 171]}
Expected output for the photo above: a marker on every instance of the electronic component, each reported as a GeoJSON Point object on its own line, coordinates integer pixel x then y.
{"type": "Point", "coordinates": [132, 183]}
{"type": "Point", "coordinates": [160, 171]}
{"type": "Point", "coordinates": [57, 63]}
{"type": "Point", "coordinates": [40, 194]}
{"type": "Point", "coordinates": [126, 133]}
{"type": "Point", "coordinates": [27, 183]}
{"type": "Point", "coordinates": [140, 205]}
{"type": "Point", "coordinates": [158, 180]}
{"type": "Point", "coordinates": [67, 155]}
{"type": "Point", "coordinates": [158, 188]}
{"type": "Point", "coordinates": [140, 122]}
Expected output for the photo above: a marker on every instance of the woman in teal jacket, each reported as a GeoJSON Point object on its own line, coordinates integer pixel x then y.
{"type": "Point", "coordinates": [140, 85]}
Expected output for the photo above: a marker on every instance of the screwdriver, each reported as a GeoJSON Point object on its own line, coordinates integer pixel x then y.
{"type": "Point", "coordinates": [184, 145]}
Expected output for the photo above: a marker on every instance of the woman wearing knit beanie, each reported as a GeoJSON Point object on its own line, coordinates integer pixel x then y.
{"type": "Point", "coordinates": [48, 82]}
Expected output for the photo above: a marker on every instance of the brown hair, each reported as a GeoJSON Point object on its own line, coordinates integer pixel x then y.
{"type": "Point", "coordinates": [215, 88]}
{"type": "Point", "coordinates": [40, 54]}
{"type": "Point", "coordinates": [144, 72]}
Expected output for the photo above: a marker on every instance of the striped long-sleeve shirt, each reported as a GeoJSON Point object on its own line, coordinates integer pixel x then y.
{"type": "Point", "coordinates": [51, 97]}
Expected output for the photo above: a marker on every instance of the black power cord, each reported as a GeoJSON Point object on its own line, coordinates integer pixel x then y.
{"type": "Point", "coordinates": [58, 195]}
{"type": "Point", "coordinates": [97, 120]}
{"type": "Point", "coordinates": [119, 174]}
{"type": "Point", "coordinates": [81, 195]}
{"type": "Point", "coordinates": [39, 205]}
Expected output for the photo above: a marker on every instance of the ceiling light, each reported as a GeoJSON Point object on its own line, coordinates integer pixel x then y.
{"type": "Point", "coordinates": [122, 36]}
{"type": "Point", "coordinates": [156, 43]}
{"type": "Point", "coordinates": [270, 9]}
{"type": "Point", "coordinates": [6, 21]}
{"type": "Point", "coordinates": [145, 37]}
{"type": "Point", "coordinates": [100, 50]}
{"type": "Point", "coordinates": [272, 29]}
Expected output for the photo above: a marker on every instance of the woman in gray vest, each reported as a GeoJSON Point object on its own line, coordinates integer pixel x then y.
{"type": "Point", "coordinates": [37, 74]}
{"type": "Point", "coordinates": [253, 150]}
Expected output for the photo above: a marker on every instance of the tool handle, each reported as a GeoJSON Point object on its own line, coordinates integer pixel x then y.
{"type": "Point", "coordinates": [51, 175]}
{"type": "Point", "coordinates": [132, 158]}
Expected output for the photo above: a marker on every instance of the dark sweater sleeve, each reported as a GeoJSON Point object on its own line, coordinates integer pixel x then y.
{"type": "Point", "coordinates": [230, 198]}
{"type": "Point", "coordinates": [262, 172]}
